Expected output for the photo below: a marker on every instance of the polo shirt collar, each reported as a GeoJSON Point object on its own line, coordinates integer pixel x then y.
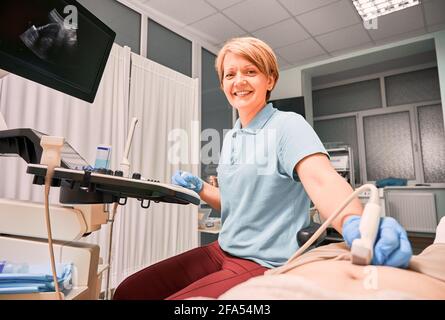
{"type": "Point", "coordinates": [258, 121]}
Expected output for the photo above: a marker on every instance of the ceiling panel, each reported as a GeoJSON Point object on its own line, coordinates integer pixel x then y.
{"type": "Point", "coordinates": [301, 51]}
{"type": "Point", "coordinates": [297, 7]}
{"type": "Point", "coordinates": [313, 59]}
{"type": "Point", "coordinates": [213, 31]}
{"type": "Point", "coordinates": [255, 14]}
{"type": "Point", "coordinates": [401, 36]}
{"type": "Point", "coordinates": [399, 22]}
{"type": "Point", "coordinates": [434, 12]}
{"type": "Point", "coordinates": [329, 18]}
{"type": "Point", "coordinates": [220, 5]}
{"type": "Point", "coordinates": [183, 11]}
{"type": "Point", "coordinates": [282, 33]}
{"type": "Point", "coordinates": [300, 31]}
{"type": "Point", "coordinates": [282, 63]}
{"type": "Point", "coordinates": [436, 27]}
{"type": "Point", "coordinates": [348, 37]}
{"type": "Point", "coordinates": [352, 49]}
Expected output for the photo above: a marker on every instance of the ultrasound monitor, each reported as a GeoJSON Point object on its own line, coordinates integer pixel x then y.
{"type": "Point", "coordinates": [57, 43]}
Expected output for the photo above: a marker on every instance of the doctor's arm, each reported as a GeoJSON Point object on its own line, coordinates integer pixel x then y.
{"type": "Point", "coordinates": [211, 196]}
{"type": "Point", "coordinates": [326, 188]}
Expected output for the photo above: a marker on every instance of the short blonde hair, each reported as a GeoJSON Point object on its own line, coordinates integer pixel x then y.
{"type": "Point", "coordinates": [254, 50]}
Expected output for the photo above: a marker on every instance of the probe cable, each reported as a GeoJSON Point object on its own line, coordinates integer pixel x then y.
{"type": "Point", "coordinates": [48, 229]}
{"type": "Point", "coordinates": [113, 214]}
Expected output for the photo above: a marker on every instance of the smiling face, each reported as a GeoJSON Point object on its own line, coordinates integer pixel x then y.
{"type": "Point", "coordinates": [244, 85]}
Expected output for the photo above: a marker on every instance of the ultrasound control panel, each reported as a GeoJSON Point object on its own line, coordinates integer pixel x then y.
{"type": "Point", "coordinates": [111, 186]}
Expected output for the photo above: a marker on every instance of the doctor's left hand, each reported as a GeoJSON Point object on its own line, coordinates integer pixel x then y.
{"type": "Point", "coordinates": [391, 248]}
{"type": "Point", "coordinates": [187, 180]}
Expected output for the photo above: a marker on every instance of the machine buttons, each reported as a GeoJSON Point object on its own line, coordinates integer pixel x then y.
{"type": "Point", "coordinates": [119, 173]}
{"type": "Point", "coordinates": [136, 176]}
{"type": "Point", "coordinates": [102, 171]}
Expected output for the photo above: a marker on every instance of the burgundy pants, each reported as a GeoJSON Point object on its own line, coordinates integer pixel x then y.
{"type": "Point", "coordinates": [206, 271]}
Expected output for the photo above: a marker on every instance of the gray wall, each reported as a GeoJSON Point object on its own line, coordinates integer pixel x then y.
{"type": "Point", "coordinates": [169, 49]}
{"type": "Point", "coordinates": [124, 21]}
{"type": "Point", "coordinates": [216, 113]}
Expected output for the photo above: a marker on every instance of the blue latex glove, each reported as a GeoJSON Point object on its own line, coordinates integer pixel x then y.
{"type": "Point", "coordinates": [392, 247]}
{"type": "Point", "coordinates": [187, 180]}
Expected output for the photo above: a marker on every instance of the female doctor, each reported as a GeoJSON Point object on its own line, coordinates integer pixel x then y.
{"type": "Point", "coordinates": [272, 165]}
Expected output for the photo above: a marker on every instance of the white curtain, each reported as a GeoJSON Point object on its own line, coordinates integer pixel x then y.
{"type": "Point", "coordinates": [26, 104]}
{"type": "Point", "coordinates": [163, 100]}
{"type": "Point", "coordinates": [2, 120]}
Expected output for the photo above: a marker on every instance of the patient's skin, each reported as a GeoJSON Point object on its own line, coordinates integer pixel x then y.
{"type": "Point", "coordinates": [354, 279]}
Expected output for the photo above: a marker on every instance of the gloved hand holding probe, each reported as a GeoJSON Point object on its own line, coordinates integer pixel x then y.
{"type": "Point", "coordinates": [187, 180]}
{"type": "Point", "coordinates": [391, 248]}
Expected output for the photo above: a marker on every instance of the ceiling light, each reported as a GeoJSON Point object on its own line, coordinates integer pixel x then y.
{"type": "Point", "coordinates": [370, 9]}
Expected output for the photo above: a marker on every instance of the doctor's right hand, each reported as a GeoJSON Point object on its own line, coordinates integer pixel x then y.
{"type": "Point", "coordinates": [391, 248]}
{"type": "Point", "coordinates": [187, 180]}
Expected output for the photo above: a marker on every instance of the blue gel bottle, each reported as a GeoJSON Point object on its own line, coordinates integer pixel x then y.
{"type": "Point", "coordinates": [103, 157]}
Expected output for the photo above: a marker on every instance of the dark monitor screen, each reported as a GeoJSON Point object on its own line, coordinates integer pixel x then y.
{"type": "Point", "coordinates": [295, 104]}
{"type": "Point", "coordinates": [57, 43]}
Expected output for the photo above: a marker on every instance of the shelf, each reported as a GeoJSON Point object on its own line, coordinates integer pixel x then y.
{"type": "Point", "coordinates": [337, 150]}
{"type": "Point", "coordinates": [213, 230]}
{"type": "Point", "coordinates": [342, 160]}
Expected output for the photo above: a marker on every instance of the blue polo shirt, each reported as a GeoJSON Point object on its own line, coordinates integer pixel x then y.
{"type": "Point", "coordinates": [263, 203]}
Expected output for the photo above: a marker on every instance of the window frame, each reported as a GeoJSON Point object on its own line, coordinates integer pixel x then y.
{"type": "Point", "coordinates": [416, 114]}
{"type": "Point", "coordinates": [418, 172]}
